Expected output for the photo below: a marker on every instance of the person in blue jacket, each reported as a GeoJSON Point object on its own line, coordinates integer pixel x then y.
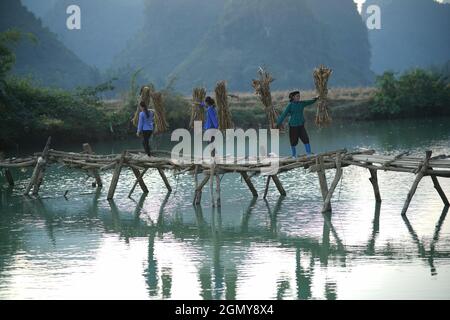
{"type": "Point", "coordinates": [145, 126]}
{"type": "Point", "coordinates": [297, 121]}
{"type": "Point", "coordinates": [211, 121]}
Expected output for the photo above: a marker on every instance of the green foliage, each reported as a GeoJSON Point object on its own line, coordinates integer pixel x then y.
{"type": "Point", "coordinates": [416, 93]}
{"type": "Point", "coordinates": [7, 56]}
{"type": "Point", "coordinates": [30, 112]}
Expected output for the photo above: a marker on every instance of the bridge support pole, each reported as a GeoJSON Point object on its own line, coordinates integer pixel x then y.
{"type": "Point", "coordinates": [421, 172]}
{"type": "Point", "coordinates": [323, 182]}
{"type": "Point", "coordinates": [279, 185]}
{"type": "Point", "coordinates": [39, 170]}
{"type": "Point", "coordinates": [139, 179]}
{"type": "Point", "coordinates": [198, 190]}
{"type": "Point", "coordinates": [116, 176]}
{"type": "Point", "coordinates": [88, 150]}
{"type": "Point", "coordinates": [327, 202]}
{"type": "Point", "coordinates": [166, 182]}
{"type": "Point", "coordinates": [249, 183]}
{"type": "Point", "coordinates": [9, 178]}
{"type": "Point", "coordinates": [439, 190]}
{"type": "Point", "coordinates": [374, 181]}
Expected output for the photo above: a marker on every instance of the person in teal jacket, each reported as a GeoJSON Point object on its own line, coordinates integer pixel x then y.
{"type": "Point", "coordinates": [297, 121]}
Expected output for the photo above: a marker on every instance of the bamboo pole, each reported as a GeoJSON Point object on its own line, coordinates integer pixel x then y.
{"type": "Point", "coordinates": [322, 181]}
{"type": "Point", "coordinates": [439, 190]}
{"type": "Point", "coordinates": [279, 185]}
{"type": "Point", "coordinates": [38, 175]}
{"type": "Point", "coordinates": [163, 176]}
{"type": "Point", "coordinates": [374, 181]}
{"type": "Point", "coordinates": [198, 191]}
{"type": "Point", "coordinates": [9, 177]}
{"type": "Point", "coordinates": [421, 172]}
{"type": "Point", "coordinates": [249, 183]}
{"type": "Point", "coordinates": [196, 186]}
{"type": "Point", "coordinates": [136, 182]}
{"type": "Point", "coordinates": [218, 190]}
{"type": "Point", "coordinates": [267, 187]}
{"type": "Point", "coordinates": [327, 203]}
{"type": "Point", "coordinates": [116, 175]}
{"type": "Point", "coordinates": [139, 179]}
{"type": "Point", "coordinates": [88, 150]}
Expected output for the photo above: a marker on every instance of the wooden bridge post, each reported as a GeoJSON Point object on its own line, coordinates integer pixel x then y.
{"type": "Point", "coordinates": [374, 181]}
{"type": "Point", "coordinates": [422, 169]}
{"type": "Point", "coordinates": [139, 179]}
{"type": "Point", "coordinates": [198, 190]}
{"type": "Point", "coordinates": [218, 190]}
{"type": "Point", "coordinates": [166, 182]}
{"type": "Point", "coordinates": [249, 183]}
{"type": "Point", "coordinates": [116, 175]}
{"type": "Point", "coordinates": [279, 185]}
{"type": "Point", "coordinates": [196, 187]}
{"type": "Point", "coordinates": [7, 172]}
{"type": "Point", "coordinates": [322, 181]}
{"type": "Point", "coordinates": [141, 174]}
{"type": "Point", "coordinates": [88, 150]}
{"type": "Point", "coordinates": [439, 190]}
{"type": "Point", "coordinates": [327, 202]}
{"type": "Point", "coordinates": [39, 170]}
{"type": "Point", "coordinates": [9, 178]}
{"type": "Point", "coordinates": [267, 187]}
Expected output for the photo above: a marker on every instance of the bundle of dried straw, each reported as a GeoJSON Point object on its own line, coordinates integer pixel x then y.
{"type": "Point", "coordinates": [197, 112]}
{"type": "Point", "coordinates": [262, 89]}
{"type": "Point", "coordinates": [146, 93]}
{"type": "Point", "coordinates": [160, 121]}
{"type": "Point", "coordinates": [321, 76]}
{"type": "Point", "coordinates": [225, 121]}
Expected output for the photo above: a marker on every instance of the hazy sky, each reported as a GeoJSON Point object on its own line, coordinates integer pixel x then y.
{"type": "Point", "coordinates": [360, 3]}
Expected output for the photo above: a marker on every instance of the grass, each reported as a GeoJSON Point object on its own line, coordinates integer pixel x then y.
{"type": "Point", "coordinates": [248, 111]}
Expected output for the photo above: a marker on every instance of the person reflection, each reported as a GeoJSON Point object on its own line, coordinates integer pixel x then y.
{"type": "Point", "coordinates": [303, 277]}
{"type": "Point", "coordinates": [151, 272]}
{"type": "Point", "coordinates": [166, 279]}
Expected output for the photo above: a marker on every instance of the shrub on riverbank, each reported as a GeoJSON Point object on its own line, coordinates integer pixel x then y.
{"type": "Point", "coordinates": [416, 93]}
{"type": "Point", "coordinates": [30, 112]}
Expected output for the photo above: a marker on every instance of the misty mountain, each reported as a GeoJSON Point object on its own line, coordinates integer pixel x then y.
{"type": "Point", "coordinates": [48, 61]}
{"type": "Point", "coordinates": [414, 33]}
{"type": "Point", "coordinates": [106, 26]}
{"type": "Point", "coordinates": [200, 42]}
{"type": "Point", "coordinates": [172, 30]}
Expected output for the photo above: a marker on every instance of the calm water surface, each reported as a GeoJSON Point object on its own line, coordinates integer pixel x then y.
{"type": "Point", "coordinates": [159, 247]}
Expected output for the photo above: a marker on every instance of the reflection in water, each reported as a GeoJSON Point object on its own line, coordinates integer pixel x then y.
{"type": "Point", "coordinates": [303, 277]}
{"type": "Point", "coordinates": [218, 271]}
{"type": "Point", "coordinates": [375, 230]}
{"type": "Point", "coordinates": [421, 247]}
{"type": "Point", "coordinates": [248, 248]}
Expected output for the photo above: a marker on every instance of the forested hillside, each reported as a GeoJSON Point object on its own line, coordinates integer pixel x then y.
{"type": "Point", "coordinates": [414, 33]}
{"type": "Point", "coordinates": [106, 27]}
{"type": "Point", "coordinates": [47, 60]}
{"type": "Point", "coordinates": [200, 42]}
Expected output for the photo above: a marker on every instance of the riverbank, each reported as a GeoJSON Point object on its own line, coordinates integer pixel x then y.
{"type": "Point", "coordinates": [32, 114]}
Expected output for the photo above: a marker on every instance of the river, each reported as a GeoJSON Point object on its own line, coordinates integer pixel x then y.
{"type": "Point", "coordinates": [159, 247]}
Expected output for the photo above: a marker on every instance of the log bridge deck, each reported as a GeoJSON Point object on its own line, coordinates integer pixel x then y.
{"type": "Point", "coordinates": [93, 164]}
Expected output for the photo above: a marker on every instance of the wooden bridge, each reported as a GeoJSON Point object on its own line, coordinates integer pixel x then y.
{"type": "Point", "coordinates": [210, 169]}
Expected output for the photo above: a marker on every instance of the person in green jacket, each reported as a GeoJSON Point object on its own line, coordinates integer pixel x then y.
{"type": "Point", "coordinates": [297, 121]}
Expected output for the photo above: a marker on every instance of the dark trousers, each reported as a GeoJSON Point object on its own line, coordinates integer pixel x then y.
{"type": "Point", "coordinates": [146, 140]}
{"type": "Point", "coordinates": [296, 133]}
